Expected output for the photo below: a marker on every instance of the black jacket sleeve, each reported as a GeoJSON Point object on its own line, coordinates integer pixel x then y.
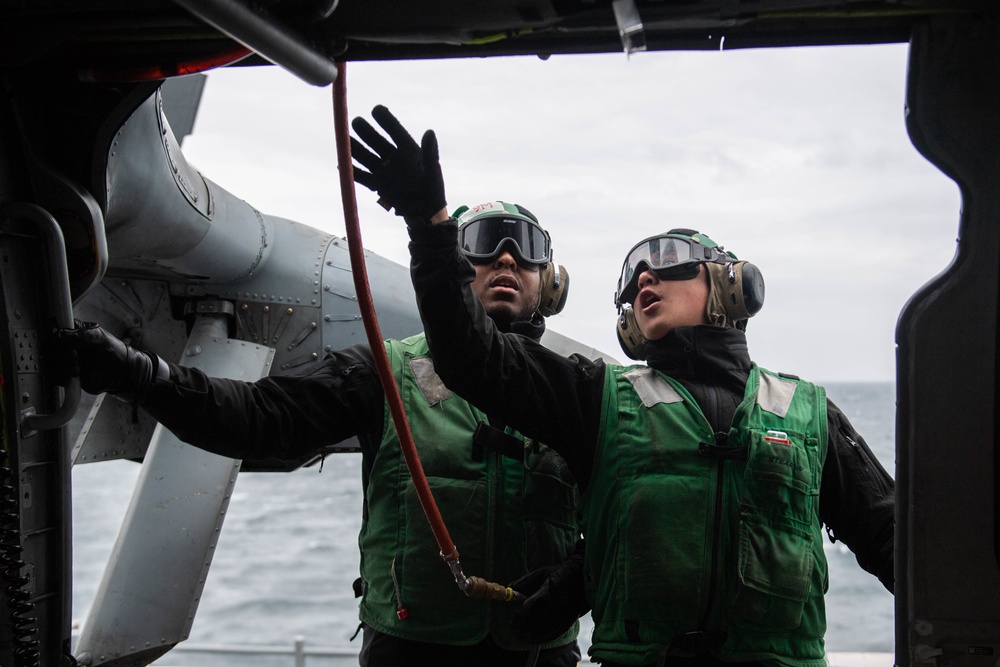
{"type": "Point", "coordinates": [544, 395]}
{"type": "Point", "coordinates": [283, 417]}
{"type": "Point", "coordinates": [857, 499]}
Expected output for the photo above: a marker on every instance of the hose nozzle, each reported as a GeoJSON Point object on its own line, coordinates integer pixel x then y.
{"type": "Point", "coordinates": [477, 587]}
{"type": "Point", "coordinates": [481, 589]}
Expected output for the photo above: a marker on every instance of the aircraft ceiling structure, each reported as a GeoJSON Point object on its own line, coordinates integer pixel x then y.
{"type": "Point", "coordinates": [119, 40]}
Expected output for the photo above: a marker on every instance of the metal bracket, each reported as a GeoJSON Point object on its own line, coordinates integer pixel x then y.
{"type": "Point", "coordinates": [629, 26]}
{"type": "Point", "coordinates": [62, 306]}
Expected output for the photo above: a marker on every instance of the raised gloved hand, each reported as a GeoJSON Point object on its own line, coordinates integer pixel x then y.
{"type": "Point", "coordinates": [555, 599]}
{"type": "Point", "coordinates": [104, 363]}
{"type": "Point", "coordinates": [406, 176]}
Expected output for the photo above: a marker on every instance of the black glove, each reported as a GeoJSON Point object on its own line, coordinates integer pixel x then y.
{"type": "Point", "coordinates": [405, 176]}
{"type": "Point", "coordinates": [555, 599]}
{"type": "Point", "coordinates": [104, 363]}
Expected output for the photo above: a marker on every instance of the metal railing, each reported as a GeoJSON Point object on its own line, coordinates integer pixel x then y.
{"type": "Point", "coordinates": [298, 651]}
{"type": "Point", "coordinates": [348, 655]}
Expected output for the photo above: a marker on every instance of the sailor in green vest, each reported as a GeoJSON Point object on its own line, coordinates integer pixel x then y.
{"type": "Point", "coordinates": [707, 481]}
{"type": "Point", "coordinates": [508, 501]}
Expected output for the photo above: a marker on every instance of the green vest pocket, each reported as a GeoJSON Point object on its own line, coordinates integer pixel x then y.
{"type": "Point", "coordinates": [774, 570]}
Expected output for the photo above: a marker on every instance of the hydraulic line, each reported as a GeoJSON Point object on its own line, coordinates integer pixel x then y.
{"type": "Point", "coordinates": [475, 587]}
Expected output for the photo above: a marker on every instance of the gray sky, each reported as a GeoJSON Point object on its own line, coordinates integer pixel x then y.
{"type": "Point", "coordinates": [795, 159]}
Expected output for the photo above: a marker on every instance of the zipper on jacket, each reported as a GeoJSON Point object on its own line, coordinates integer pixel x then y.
{"type": "Point", "coordinates": [494, 481]}
{"type": "Point", "coordinates": [716, 532]}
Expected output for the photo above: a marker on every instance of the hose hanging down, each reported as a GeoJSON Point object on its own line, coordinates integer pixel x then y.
{"type": "Point", "coordinates": [474, 587]}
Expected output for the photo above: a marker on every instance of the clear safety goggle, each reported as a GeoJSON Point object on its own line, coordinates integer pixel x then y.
{"type": "Point", "coordinates": [671, 257]}
{"type": "Point", "coordinates": [484, 239]}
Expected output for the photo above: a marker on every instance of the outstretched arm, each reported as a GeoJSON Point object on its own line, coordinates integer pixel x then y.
{"type": "Point", "coordinates": [544, 395]}
{"type": "Point", "coordinates": [284, 417]}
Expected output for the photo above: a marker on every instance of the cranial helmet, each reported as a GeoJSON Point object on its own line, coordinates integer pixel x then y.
{"type": "Point", "coordinates": [736, 288]}
{"type": "Point", "coordinates": [487, 230]}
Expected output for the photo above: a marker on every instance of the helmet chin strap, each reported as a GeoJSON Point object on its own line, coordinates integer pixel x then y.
{"type": "Point", "coordinates": [718, 288]}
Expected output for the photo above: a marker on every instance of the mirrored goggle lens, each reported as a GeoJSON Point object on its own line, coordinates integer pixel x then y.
{"type": "Point", "coordinates": [672, 258]}
{"type": "Point", "coordinates": [657, 253]}
{"type": "Point", "coordinates": [485, 239]}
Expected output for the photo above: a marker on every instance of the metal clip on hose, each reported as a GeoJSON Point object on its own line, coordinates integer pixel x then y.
{"type": "Point", "coordinates": [477, 587]}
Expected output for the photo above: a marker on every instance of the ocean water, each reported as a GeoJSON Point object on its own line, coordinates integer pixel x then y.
{"type": "Point", "coordinates": [288, 553]}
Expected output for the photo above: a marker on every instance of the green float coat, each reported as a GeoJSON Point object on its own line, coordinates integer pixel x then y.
{"type": "Point", "coordinates": [681, 541]}
{"type": "Point", "coordinates": [506, 516]}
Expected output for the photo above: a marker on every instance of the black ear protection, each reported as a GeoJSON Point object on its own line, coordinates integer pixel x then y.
{"type": "Point", "coordinates": [753, 288]}
{"type": "Point", "coordinates": [738, 288]}
{"type": "Point", "coordinates": [629, 337]}
{"type": "Point", "coordinates": [554, 289]}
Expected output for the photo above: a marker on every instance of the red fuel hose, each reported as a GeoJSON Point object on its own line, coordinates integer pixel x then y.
{"type": "Point", "coordinates": [475, 587]}
{"type": "Point", "coordinates": [365, 303]}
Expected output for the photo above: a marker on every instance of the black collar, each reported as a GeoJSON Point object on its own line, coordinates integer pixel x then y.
{"type": "Point", "coordinates": [700, 352]}
{"type": "Point", "coordinates": [533, 328]}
